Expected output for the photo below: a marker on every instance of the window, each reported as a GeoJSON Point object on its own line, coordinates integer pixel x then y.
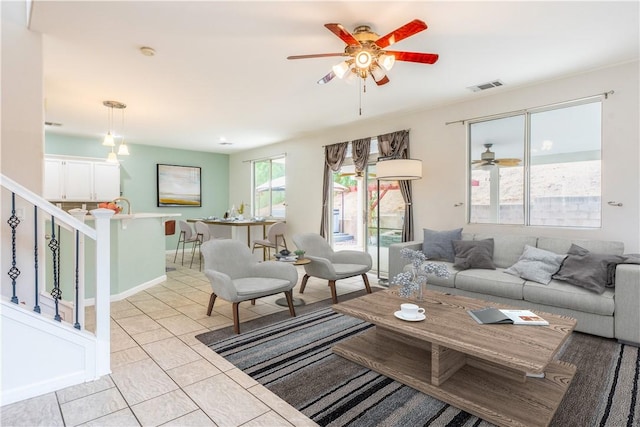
{"type": "Point", "coordinates": [539, 168]}
{"type": "Point", "coordinates": [269, 187]}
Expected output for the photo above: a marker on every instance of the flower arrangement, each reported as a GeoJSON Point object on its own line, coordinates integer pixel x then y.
{"type": "Point", "coordinates": [410, 282]}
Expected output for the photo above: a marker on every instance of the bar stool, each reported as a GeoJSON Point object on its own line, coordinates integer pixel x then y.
{"type": "Point", "coordinates": [186, 236]}
{"type": "Point", "coordinates": [203, 233]}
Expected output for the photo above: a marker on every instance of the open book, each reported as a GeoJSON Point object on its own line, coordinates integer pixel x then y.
{"type": "Point", "coordinates": [492, 315]}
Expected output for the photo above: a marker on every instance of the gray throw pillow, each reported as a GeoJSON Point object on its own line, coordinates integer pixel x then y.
{"type": "Point", "coordinates": [473, 254]}
{"type": "Point", "coordinates": [586, 269]}
{"type": "Point", "coordinates": [536, 265]}
{"type": "Point", "coordinates": [437, 245]}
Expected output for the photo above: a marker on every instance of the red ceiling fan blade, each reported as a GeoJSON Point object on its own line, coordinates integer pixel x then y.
{"type": "Point", "coordinates": [317, 55]}
{"type": "Point", "coordinates": [424, 58]}
{"type": "Point", "coordinates": [407, 30]}
{"type": "Point", "coordinates": [327, 78]}
{"type": "Point", "coordinates": [382, 81]}
{"type": "Point", "coordinates": [343, 33]}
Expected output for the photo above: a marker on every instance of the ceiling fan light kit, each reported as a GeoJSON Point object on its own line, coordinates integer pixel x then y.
{"type": "Point", "coordinates": [366, 54]}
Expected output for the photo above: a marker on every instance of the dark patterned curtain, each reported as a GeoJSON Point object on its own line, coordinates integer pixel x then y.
{"type": "Point", "coordinates": [360, 153]}
{"type": "Point", "coordinates": [333, 158]}
{"type": "Point", "coordinates": [396, 145]}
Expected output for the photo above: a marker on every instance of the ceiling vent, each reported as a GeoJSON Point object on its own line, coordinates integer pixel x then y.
{"type": "Point", "coordinates": [485, 86]}
{"type": "Point", "coordinates": [52, 124]}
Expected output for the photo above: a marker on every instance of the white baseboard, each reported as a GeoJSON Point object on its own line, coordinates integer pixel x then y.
{"type": "Point", "coordinates": [129, 292]}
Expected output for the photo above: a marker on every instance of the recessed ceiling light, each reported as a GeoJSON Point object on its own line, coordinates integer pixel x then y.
{"type": "Point", "coordinates": [147, 51]}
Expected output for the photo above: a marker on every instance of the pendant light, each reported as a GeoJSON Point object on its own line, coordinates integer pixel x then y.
{"type": "Point", "coordinates": [109, 139]}
{"type": "Point", "coordinates": [123, 149]}
{"type": "Point", "coordinates": [398, 169]}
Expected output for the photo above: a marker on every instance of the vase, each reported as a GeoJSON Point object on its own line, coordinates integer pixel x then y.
{"type": "Point", "coordinates": [420, 284]}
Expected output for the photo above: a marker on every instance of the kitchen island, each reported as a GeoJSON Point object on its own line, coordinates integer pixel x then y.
{"type": "Point", "coordinates": [138, 255]}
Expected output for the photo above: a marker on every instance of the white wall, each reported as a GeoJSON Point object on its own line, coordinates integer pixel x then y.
{"type": "Point", "coordinates": [22, 143]}
{"type": "Point", "coordinates": [443, 151]}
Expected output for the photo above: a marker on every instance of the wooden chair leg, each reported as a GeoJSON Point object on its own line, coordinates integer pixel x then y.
{"type": "Point", "coordinates": [236, 318]}
{"type": "Point", "coordinates": [212, 299]}
{"type": "Point", "coordinates": [253, 301]}
{"type": "Point", "coordinates": [304, 283]}
{"type": "Point", "coordinates": [366, 282]}
{"type": "Point", "coordinates": [289, 296]}
{"type": "Point", "coordinates": [334, 294]}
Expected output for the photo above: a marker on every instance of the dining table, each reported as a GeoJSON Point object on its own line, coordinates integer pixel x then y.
{"type": "Point", "coordinates": [237, 224]}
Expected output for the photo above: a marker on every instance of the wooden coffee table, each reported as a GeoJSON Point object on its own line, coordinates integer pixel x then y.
{"type": "Point", "coordinates": [485, 370]}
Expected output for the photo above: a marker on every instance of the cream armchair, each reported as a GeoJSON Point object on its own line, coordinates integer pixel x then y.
{"type": "Point", "coordinates": [329, 264]}
{"type": "Point", "coordinates": [235, 276]}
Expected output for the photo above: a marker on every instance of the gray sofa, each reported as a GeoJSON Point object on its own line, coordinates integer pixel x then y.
{"type": "Point", "coordinates": [612, 314]}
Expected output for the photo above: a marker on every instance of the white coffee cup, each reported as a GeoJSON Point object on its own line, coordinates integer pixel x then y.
{"type": "Point", "coordinates": [411, 311]}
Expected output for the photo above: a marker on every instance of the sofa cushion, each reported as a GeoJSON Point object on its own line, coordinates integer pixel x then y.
{"type": "Point", "coordinates": [473, 254]}
{"type": "Point", "coordinates": [536, 264]}
{"type": "Point", "coordinates": [438, 245]}
{"type": "Point", "coordinates": [586, 269]}
{"type": "Point", "coordinates": [508, 248]}
{"type": "Point", "coordinates": [558, 294]}
{"type": "Point", "coordinates": [490, 282]}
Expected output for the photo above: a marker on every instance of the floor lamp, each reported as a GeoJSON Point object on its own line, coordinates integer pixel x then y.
{"type": "Point", "coordinates": [393, 169]}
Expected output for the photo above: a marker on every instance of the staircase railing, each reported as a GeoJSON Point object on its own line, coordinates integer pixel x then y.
{"type": "Point", "coordinates": [26, 243]}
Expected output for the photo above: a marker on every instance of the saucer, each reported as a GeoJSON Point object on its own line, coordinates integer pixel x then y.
{"type": "Point", "coordinates": [420, 317]}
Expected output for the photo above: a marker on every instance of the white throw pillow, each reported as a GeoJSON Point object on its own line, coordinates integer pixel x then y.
{"type": "Point", "coordinates": [536, 265]}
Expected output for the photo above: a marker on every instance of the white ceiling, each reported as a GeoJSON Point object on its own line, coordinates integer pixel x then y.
{"type": "Point", "coordinates": [220, 69]}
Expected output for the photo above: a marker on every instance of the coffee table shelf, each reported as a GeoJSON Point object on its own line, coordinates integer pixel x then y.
{"type": "Point", "coordinates": [416, 355]}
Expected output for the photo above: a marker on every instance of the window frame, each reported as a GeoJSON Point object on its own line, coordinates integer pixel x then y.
{"type": "Point", "coordinates": [281, 158]}
{"type": "Point", "coordinates": [527, 160]}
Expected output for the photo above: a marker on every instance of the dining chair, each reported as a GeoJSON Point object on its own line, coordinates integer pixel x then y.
{"type": "Point", "coordinates": [235, 276]}
{"type": "Point", "coordinates": [273, 240]}
{"type": "Point", "coordinates": [329, 264]}
{"type": "Point", "coordinates": [203, 234]}
{"type": "Point", "coordinates": [186, 236]}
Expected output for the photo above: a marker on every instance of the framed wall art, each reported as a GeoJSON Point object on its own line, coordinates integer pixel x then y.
{"type": "Point", "coordinates": [179, 185]}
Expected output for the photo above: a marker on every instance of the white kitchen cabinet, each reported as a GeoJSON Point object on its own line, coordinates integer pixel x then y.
{"type": "Point", "coordinates": [106, 181]}
{"type": "Point", "coordinates": [81, 180]}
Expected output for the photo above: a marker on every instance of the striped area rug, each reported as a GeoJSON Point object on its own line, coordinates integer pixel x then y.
{"type": "Point", "coordinates": [293, 359]}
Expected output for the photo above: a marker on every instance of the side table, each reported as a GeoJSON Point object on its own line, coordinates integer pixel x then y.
{"type": "Point", "coordinates": [296, 301]}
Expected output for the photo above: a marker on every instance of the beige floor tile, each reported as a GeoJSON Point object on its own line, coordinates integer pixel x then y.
{"type": "Point", "coordinates": [130, 355]}
{"type": "Point", "coordinates": [215, 321]}
{"type": "Point", "coordinates": [288, 412]}
{"type": "Point", "coordinates": [37, 411]}
{"type": "Point", "coordinates": [121, 305]}
{"type": "Point", "coordinates": [164, 408]}
{"type": "Point", "coordinates": [152, 336]}
{"type": "Point", "coordinates": [122, 418]}
{"type": "Point", "coordinates": [193, 372]}
{"type": "Point", "coordinates": [171, 353]}
{"type": "Point", "coordinates": [213, 357]}
{"type": "Point", "coordinates": [180, 325]}
{"type": "Point", "coordinates": [120, 340]}
{"type": "Point", "coordinates": [126, 313]}
{"type": "Point", "coordinates": [241, 378]}
{"type": "Point", "coordinates": [81, 390]}
{"type": "Point", "coordinates": [93, 406]}
{"type": "Point", "coordinates": [151, 305]}
{"type": "Point", "coordinates": [269, 419]}
{"type": "Point", "coordinates": [193, 311]}
{"type": "Point", "coordinates": [140, 296]}
{"type": "Point", "coordinates": [142, 381]}
{"type": "Point", "coordinates": [198, 296]}
{"type": "Point", "coordinates": [172, 298]}
{"type": "Point", "coordinates": [193, 419]}
{"type": "Point", "coordinates": [161, 314]}
{"type": "Point", "coordinates": [138, 324]}
{"type": "Point", "coordinates": [190, 338]}
{"type": "Point", "coordinates": [224, 410]}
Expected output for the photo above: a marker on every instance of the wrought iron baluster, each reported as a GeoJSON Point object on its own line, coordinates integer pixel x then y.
{"type": "Point", "coordinates": [77, 324]}
{"type": "Point", "coordinates": [13, 222]}
{"type": "Point", "coordinates": [36, 307]}
{"type": "Point", "coordinates": [54, 246]}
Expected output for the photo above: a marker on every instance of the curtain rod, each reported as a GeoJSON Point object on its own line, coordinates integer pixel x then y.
{"type": "Point", "coordinates": [375, 136]}
{"type": "Point", "coordinates": [605, 94]}
{"type": "Point", "coordinates": [266, 158]}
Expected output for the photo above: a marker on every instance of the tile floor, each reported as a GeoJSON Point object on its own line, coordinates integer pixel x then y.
{"type": "Point", "coordinates": [161, 374]}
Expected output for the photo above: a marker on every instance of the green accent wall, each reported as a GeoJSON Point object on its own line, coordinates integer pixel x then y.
{"type": "Point", "coordinates": [138, 179]}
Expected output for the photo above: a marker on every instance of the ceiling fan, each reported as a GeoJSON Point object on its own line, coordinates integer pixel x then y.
{"type": "Point", "coordinates": [366, 54]}
{"type": "Point", "coordinates": [488, 158]}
